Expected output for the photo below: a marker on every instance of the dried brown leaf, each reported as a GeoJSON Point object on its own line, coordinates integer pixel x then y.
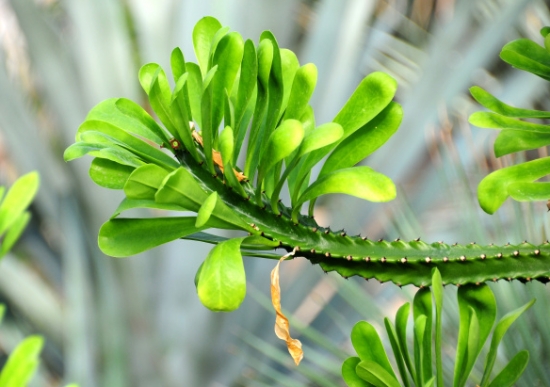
{"type": "Point", "coordinates": [282, 327]}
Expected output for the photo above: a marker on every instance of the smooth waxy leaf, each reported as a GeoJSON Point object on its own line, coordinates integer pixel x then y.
{"type": "Point", "coordinates": [129, 116]}
{"type": "Point", "coordinates": [496, 121]}
{"type": "Point", "coordinates": [492, 103]}
{"type": "Point", "coordinates": [437, 290]}
{"type": "Point", "coordinates": [226, 148]}
{"type": "Point", "coordinates": [252, 242]}
{"type": "Point", "coordinates": [194, 89]}
{"type": "Point", "coordinates": [181, 113]}
{"type": "Point", "coordinates": [478, 301]}
{"type": "Point", "coordinates": [110, 152]}
{"type": "Point", "coordinates": [527, 55]}
{"type": "Point", "coordinates": [14, 232]}
{"type": "Point", "coordinates": [206, 209]}
{"type": "Point", "coordinates": [419, 335]}
{"type": "Point", "coordinates": [301, 91]}
{"type": "Point", "coordinates": [350, 375]}
{"type": "Point", "coordinates": [221, 283]}
{"type": "Point", "coordinates": [108, 174]}
{"type": "Point", "coordinates": [369, 347]}
{"type": "Point", "coordinates": [144, 182]}
{"type": "Point", "coordinates": [17, 199]}
{"type": "Point", "coordinates": [365, 140]}
{"type": "Point", "coordinates": [511, 140]}
{"type": "Point", "coordinates": [526, 192]}
{"type": "Point", "coordinates": [513, 370]}
{"type": "Point", "coordinates": [320, 137]}
{"type": "Point", "coordinates": [177, 63]}
{"type": "Point", "coordinates": [22, 363]}
{"type": "Point", "coordinates": [398, 353]}
{"type": "Point", "coordinates": [500, 329]}
{"type": "Point", "coordinates": [376, 374]}
{"type": "Point", "coordinates": [362, 182]}
{"type": "Point", "coordinates": [151, 73]}
{"type": "Point", "coordinates": [129, 204]}
{"type": "Point", "coordinates": [289, 66]}
{"type": "Point", "coordinates": [372, 95]}
{"type": "Point", "coordinates": [160, 100]}
{"type": "Point", "coordinates": [422, 306]}
{"type": "Point", "coordinates": [282, 142]}
{"type": "Point", "coordinates": [123, 237]}
{"type": "Point", "coordinates": [208, 130]}
{"type": "Point", "coordinates": [203, 34]}
{"type": "Point", "coordinates": [493, 189]}
{"type": "Point", "coordinates": [247, 85]}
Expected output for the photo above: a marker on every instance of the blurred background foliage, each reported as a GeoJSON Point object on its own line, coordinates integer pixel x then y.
{"type": "Point", "coordinates": [137, 321]}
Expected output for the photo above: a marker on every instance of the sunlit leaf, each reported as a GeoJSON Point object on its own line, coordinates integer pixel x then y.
{"type": "Point", "coordinates": [512, 140]}
{"type": "Point", "coordinates": [492, 103]}
{"type": "Point", "coordinates": [376, 374]}
{"type": "Point", "coordinates": [177, 63]}
{"type": "Point", "coordinates": [289, 66]}
{"type": "Point", "coordinates": [513, 370]}
{"type": "Point", "coordinates": [496, 121]}
{"type": "Point", "coordinates": [129, 204]}
{"type": "Point", "coordinates": [398, 353]}
{"type": "Point", "coordinates": [527, 55]}
{"type": "Point", "coordinates": [108, 174]}
{"type": "Point", "coordinates": [419, 335]}
{"type": "Point", "coordinates": [14, 232]}
{"type": "Point", "coordinates": [194, 89]}
{"type": "Point", "coordinates": [422, 306]}
{"type": "Point", "coordinates": [437, 291]}
{"type": "Point", "coordinates": [221, 283]}
{"type": "Point", "coordinates": [320, 137]}
{"type": "Point", "coordinates": [526, 192]}
{"type": "Point", "coordinates": [144, 182]}
{"type": "Point", "coordinates": [22, 363]}
{"type": "Point", "coordinates": [368, 345]}
{"type": "Point", "coordinates": [18, 198]}
{"type": "Point", "coordinates": [203, 33]}
{"type": "Point", "coordinates": [206, 209]}
{"type": "Point", "coordinates": [350, 375]}
{"type": "Point", "coordinates": [301, 92]}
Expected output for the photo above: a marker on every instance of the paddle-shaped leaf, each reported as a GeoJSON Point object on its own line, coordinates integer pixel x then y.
{"type": "Point", "coordinates": [398, 353]}
{"type": "Point", "coordinates": [194, 89]}
{"type": "Point", "coordinates": [144, 182]}
{"type": "Point", "coordinates": [527, 55]}
{"type": "Point", "coordinates": [369, 347]}
{"type": "Point", "coordinates": [513, 370]}
{"type": "Point", "coordinates": [203, 33]}
{"type": "Point", "coordinates": [350, 375]}
{"type": "Point", "coordinates": [419, 334]}
{"type": "Point", "coordinates": [526, 192]}
{"type": "Point", "coordinates": [493, 189]}
{"type": "Point", "coordinates": [376, 374]}
{"type": "Point", "coordinates": [422, 306]}
{"type": "Point", "coordinates": [362, 182]}
{"type": "Point", "coordinates": [479, 301]}
{"type": "Point", "coordinates": [320, 137]}
{"type": "Point", "coordinates": [492, 103]}
{"type": "Point", "coordinates": [495, 121]}
{"type": "Point", "coordinates": [502, 326]}
{"type": "Point", "coordinates": [128, 204]}
{"type": "Point", "coordinates": [17, 199]}
{"type": "Point", "coordinates": [123, 237]}
{"type": "Point", "coordinates": [365, 140]}
{"type": "Point", "coordinates": [289, 66]}
{"type": "Point", "coordinates": [512, 140]}
{"type": "Point", "coordinates": [108, 174]}
{"type": "Point", "coordinates": [22, 363]}
{"type": "Point", "coordinates": [206, 209]}
{"type": "Point", "coordinates": [177, 63]}
{"type": "Point", "coordinates": [301, 92]}
{"type": "Point", "coordinates": [221, 280]}
{"type": "Point", "coordinates": [14, 232]}
{"type": "Point", "coordinates": [437, 291]}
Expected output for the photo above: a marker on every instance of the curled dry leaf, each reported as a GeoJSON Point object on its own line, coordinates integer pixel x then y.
{"type": "Point", "coordinates": [282, 327]}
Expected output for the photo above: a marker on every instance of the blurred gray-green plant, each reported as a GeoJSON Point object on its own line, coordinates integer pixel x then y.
{"type": "Point", "coordinates": [477, 310]}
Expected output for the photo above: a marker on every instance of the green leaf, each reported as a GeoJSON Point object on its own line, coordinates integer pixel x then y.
{"type": "Point", "coordinates": [527, 55]}
{"type": "Point", "coordinates": [206, 209]}
{"type": "Point", "coordinates": [473, 345]}
{"type": "Point", "coordinates": [527, 192]}
{"type": "Point", "coordinates": [203, 33]}
{"type": "Point", "coordinates": [160, 98]}
{"type": "Point", "coordinates": [207, 129]}
{"type": "Point", "coordinates": [181, 114]}
{"type": "Point", "coordinates": [123, 237]}
{"type": "Point", "coordinates": [14, 232]}
{"type": "Point", "coordinates": [492, 191]}
{"type": "Point", "coordinates": [247, 85]}
{"type": "Point", "coordinates": [129, 204]}
{"type": "Point", "coordinates": [289, 66]}
{"type": "Point", "coordinates": [362, 182]}
{"type": "Point", "coordinates": [301, 92]}
{"type": "Point", "coordinates": [511, 140]}
{"type": "Point", "coordinates": [401, 318]}
{"type": "Point", "coordinates": [365, 140]}
{"type": "Point", "coordinates": [397, 352]}
{"type": "Point", "coordinates": [320, 137]}
{"type": "Point", "coordinates": [372, 95]}
{"type": "Point", "coordinates": [282, 142]}
{"type": "Point", "coordinates": [177, 63]}
{"type": "Point", "coordinates": [114, 153]}
{"type": "Point", "coordinates": [492, 103]}
{"type": "Point", "coordinates": [500, 330]}
{"type": "Point", "coordinates": [369, 347]}
{"type": "Point", "coordinates": [108, 174]}
{"type": "Point", "coordinates": [481, 300]}
{"type": "Point", "coordinates": [490, 120]}
{"type": "Point", "coordinates": [144, 182]}
{"type": "Point", "coordinates": [350, 375]}
{"type": "Point", "coordinates": [222, 282]}
{"type": "Point", "coordinates": [18, 198]}
{"type": "Point", "coordinates": [513, 370]}
{"type": "Point", "coordinates": [422, 306]}
{"type": "Point", "coordinates": [22, 362]}
{"type": "Point", "coordinates": [419, 334]}
{"type": "Point", "coordinates": [376, 374]}
{"type": "Point", "coordinates": [226, 149]}
{"type": "Point", "coordinates": [194, 89]}
{"type": "Point", "coordinates": [437, 291]}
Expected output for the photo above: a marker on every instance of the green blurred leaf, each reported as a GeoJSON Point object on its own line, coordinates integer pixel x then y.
{"type": "Point", "coordinates": [108, 174]}
{"type": "Point", "coordinates": [377, 374]}
{"type": "Point", "coordinates": [513, 370]}
{"type": "Point", "coordinates": [500, 330]}
{"type": "Point", "coordinates": [144, 182]}
{"type": "Point", "coordinates": [14, 232]}
{"type": "Point", "coordinates": [527, 55]}
{"type": "Point", "coordinates": [350, 375]}
{"type": "Point", "coordinates": [477, 300]}
{"type": "Point", "coordinates": [492, 191]}
{"type": "Point", "coordinates": [18, 198]}
{"type": "Point", "coordinates": [206, 209]}
{"type": "Point", "coordinates": [22, 363]}
{"type": "Point", "coordinates": [496, 121]}
{"type": "Point", "coordinates": [526, 192]}
{"type": "Point", "coordinates": [492, 103]}
{"type": "Point", "coordinates": [365, 140]}
{"type": "Point", "coordinates": [222, 281]}
{"type": "Point", "coordinates": [369, 347]}
{"type": "Point", "coordinates": [511, 140]}
{"type": "Point", "coordinates": [203, 33]}
{"type": "Point", "coordinates": [123, 237]}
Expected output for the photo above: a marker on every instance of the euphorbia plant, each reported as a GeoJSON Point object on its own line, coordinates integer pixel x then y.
{"type": "Point", "coordinates": [192, 162]}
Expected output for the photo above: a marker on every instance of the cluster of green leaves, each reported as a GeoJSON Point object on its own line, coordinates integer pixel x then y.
{"type": "Point", "coordinates": [518, 181]}
{"type": "Point", "coordinates": [259, 92]}
{"type": "Point", "coordinates": [477, 308]}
